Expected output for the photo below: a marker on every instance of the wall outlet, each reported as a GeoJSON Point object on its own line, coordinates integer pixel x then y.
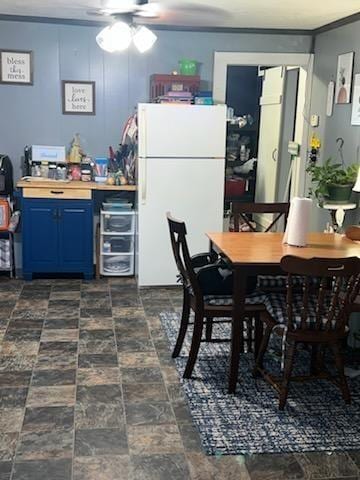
{"type": "Point", "coordinates": [314, 120]}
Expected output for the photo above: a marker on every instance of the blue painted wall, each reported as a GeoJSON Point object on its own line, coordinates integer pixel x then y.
{"type": "Point", "coordinates": [32, 114]}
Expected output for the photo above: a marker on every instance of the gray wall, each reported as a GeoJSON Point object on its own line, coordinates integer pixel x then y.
{"type": "Point", "coordinates": [328, 46]}
{"type": "Point", "coordinates": [32, 114]}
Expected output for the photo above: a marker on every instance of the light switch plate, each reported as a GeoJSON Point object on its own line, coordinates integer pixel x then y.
{"type": "Point", "coordinates": [314, 121]}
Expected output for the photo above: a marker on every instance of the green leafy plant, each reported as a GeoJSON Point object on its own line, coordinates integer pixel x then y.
{"type": "Point", "coordinates": [330, 174]}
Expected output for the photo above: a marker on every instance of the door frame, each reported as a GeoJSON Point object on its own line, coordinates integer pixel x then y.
{"type": "Point", "coordinates": [306, 63]}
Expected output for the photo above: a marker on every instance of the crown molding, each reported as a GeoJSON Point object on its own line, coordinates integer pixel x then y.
{"type": "Point", "coordinates": [185, 28]}
{"type": "Point", "coordinates": [173, 28]}
{"type": "Point", "coordinates": [337, 23]}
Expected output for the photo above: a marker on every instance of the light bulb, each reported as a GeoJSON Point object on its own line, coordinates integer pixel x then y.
{"type": "Point", "coordinates": [115, 38]}
{"type": "Point", "coordinates": [103, 40]}
{"type": "Point", "coordinates": [144, 39]}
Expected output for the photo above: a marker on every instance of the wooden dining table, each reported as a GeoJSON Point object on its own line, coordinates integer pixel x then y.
{"type": "Point", "coordinates": [257, 253]}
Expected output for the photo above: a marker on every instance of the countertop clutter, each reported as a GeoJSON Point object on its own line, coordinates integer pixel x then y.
{"type": "Point", "coordinates": [49, 163]}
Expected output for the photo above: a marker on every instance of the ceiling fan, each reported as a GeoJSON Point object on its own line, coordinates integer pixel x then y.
{"type": "Point", "coordinates": [167, 11]}
{"type": "Point", "coordinates": [128, 8]}
{"type": "Point", "coordinates": [129, 16]}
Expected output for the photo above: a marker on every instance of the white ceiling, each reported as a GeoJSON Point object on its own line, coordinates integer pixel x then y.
{"type": "Point", "coordinates": [293, 14]}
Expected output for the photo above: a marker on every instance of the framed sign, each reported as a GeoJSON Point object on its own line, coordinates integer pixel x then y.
{"type": "Point", "coordinates": [16, 67]}
{"type": "Point", "coordinates": [355, 115]}
{"type": "Point", "coordinates": [78, 98]}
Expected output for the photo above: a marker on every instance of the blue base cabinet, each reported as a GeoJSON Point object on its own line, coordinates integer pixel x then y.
{"type": "Point", "coordinates": [57, 236]}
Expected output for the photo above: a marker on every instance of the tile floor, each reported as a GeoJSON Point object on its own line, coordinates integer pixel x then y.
{"type": "Point", "coordinates": [88, 391]}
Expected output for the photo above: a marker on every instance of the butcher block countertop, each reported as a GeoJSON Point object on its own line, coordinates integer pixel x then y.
{"type": "Point", "coordinates": [75, 185]}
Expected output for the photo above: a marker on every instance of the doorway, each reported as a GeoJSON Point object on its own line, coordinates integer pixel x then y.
{"type": "Point", "coordinates": [282, 73]}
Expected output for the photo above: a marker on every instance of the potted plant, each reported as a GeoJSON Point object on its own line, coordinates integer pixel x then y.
{"type": "Point", "coordinates": [333, 182]}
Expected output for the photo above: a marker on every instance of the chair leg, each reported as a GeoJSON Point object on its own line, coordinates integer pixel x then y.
{"type": "Point", "coordinates": [314, 366]}
{"type": "Point", "coordinates": [259, 358]}
{"type": "Point", "coordinates": [183, 324]}
{"type": "Point", "coordinates": [339, 362]}
{"type": "Point", "coordinates": [208, 329]}
{"type": "Point", "coordinates": [259, 333]}
{"type": "Point", "coordinates": [195, 344]}
{"type": "Point", "coordinates": [317, 359]}
{"type": "Point", "coordinates": [289, 362]}
{"type": "Point", "coordinates": [249, 333]}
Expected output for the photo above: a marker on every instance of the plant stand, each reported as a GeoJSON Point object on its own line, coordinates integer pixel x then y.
{"type": "Point", "coordinates": [337, 212]}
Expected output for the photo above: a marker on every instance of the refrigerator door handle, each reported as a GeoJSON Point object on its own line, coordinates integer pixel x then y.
{"type": "Point", "coordinates": [143, 180]}
{"type": "Point", "coordinates": [142, 131]}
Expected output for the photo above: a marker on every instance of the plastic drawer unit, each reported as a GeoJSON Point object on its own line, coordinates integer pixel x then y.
{"type": "Point", "coordinates": [117, 242]}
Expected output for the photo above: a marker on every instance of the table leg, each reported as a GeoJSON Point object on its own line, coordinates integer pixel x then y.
{"type": "Point", "coordinates": [237, 327]}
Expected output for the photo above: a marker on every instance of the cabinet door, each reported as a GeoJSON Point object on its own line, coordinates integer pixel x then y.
{"type": "Point", "coordinates": [75, 236]}
{"type": "Point", "coordinates": [40, 236]}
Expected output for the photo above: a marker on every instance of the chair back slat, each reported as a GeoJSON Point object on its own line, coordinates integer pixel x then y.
{"type": "Point", "coordinates": [243, 211]}
{"type": "Point", "coordinates": [319, 312]}
{"type": "Point", "coordinates": [339, 285]}
{"type": "Point", "coordinates": [305, 303]}
{"type": "Point", "coordinates": [289, 301]}
{"type": "Point", "coordinates": [181, 253]}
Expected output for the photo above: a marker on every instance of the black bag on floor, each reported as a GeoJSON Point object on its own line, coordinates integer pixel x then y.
{"type": "Point", "coordinates": [6, 176]}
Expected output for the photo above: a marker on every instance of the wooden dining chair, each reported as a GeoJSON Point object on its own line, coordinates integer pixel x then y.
{"type": "Point", "coordinates": [244, 211]}
{"type": "Point", "coordinates": [208, 309]}
{"type": "Point", "coordinates": [318, 320]}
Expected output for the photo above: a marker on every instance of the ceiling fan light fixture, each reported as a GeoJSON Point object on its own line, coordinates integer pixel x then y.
{"type": "Point", "coordinates": [103, 40]}
{"type": "Point", "coordinates": [115, 38]}
{"type": "Point", "coordinates": [143, 39]}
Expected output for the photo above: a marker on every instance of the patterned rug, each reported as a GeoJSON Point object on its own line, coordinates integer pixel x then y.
{"type": "Point", "coordinates": [315, 419]}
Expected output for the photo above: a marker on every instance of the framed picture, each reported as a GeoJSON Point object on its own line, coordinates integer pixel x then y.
{"type": "Point", "coordinates": [16, 67]}
{"type": "Point", "coordinates": [355, 116]}
{"type": "Point", "coordinates": [344, 77]}
{"type": "Point", "coordinates": [78, 97]}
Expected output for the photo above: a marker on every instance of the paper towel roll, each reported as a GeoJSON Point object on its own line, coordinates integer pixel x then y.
{"type": "Point", "coordinates": [298, 222]}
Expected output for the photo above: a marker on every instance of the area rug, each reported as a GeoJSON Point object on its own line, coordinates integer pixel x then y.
{"type": "Point", "coordinates": [315, 419]}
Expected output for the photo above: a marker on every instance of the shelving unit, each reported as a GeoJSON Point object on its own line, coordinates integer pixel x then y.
{"type": "Point", "coordinates": [117, 242]}
{"type": "Point", "coordinates": [247, 131]}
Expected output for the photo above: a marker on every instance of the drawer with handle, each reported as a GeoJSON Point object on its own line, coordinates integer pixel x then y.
{"type": "Point", "coordinates": [57, 192]}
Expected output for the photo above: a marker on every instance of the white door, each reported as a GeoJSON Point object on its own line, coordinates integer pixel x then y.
{"type": "Point", "coordinates": [271, 109]}
{"type": "Point", "coordinates": [193, 191]}
{"type": "Point", "coordinates": [178, 131]}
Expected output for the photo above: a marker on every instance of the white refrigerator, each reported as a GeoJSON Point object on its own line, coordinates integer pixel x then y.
{"type": "Point", "coordinates": [181, 161]}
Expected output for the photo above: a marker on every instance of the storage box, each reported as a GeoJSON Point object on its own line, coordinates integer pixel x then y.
{"type": "Point", "coordinates": [120, 243]}
{"type": "Point", "coordinates": [234, 187]}
{"type": "Point", "coordinates": [115, 207]}
{"type": "Point", "coordinates": [118, 222]}
{"type": "Point", "coordinates": [117, 265]}
{"type": "Point", "coordinates": [204, 101]}
{"type": "Point", "coordinates": [48, 153]}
